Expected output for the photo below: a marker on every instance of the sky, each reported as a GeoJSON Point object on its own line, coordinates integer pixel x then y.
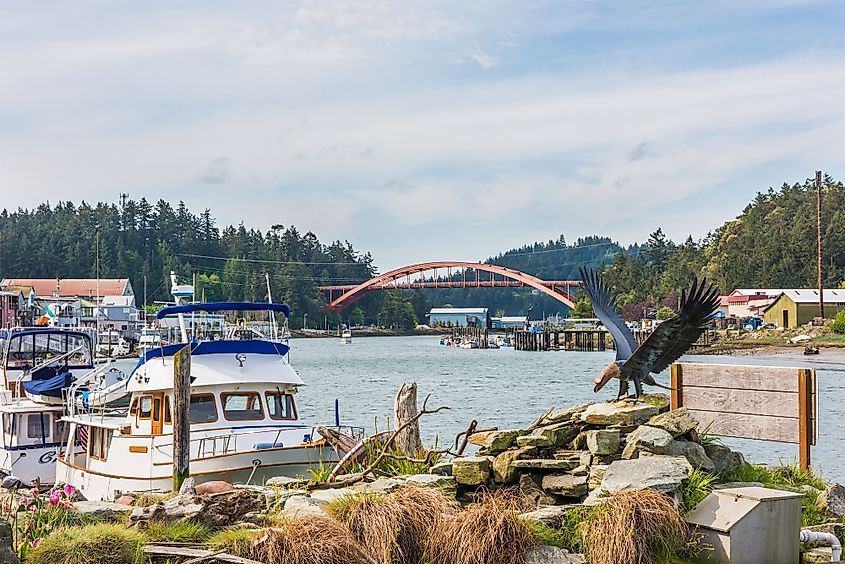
{"type": "Point", "coordinates": [424, 130]}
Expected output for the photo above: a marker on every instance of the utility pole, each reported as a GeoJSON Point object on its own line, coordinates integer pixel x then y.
{"type": "Point", "coordinates": [819, 228]}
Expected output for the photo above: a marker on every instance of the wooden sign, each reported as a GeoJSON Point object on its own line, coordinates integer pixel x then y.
{"type": "Point", "coordinates": [768, 403]}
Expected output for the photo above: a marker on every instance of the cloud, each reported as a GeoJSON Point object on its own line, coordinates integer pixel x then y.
{"type": "Point", "coordinates": [219, 171]}
{"type": "Point", "coordinates": [485, 60]}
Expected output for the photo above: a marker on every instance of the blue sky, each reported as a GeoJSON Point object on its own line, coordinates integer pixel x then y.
{"type": "Point", "coordinates": [424, 130]}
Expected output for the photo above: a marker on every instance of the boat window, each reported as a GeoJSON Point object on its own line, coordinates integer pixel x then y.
{"type": "Point", "coordinates": [146, 407]}
{"type": "Point", "coordinates": [20, 351]}
{"type": "Point", "coordinates": [167, 417]}
{"type": "Point", "coordinates": [100, 442]}
{"type": "Point", "coordinates": [38, 426]}
{"type": "Point", "coordinates": [58, 429]}
{"type": "Point", "coordinates": [157, 409]}
{"type": "Point", "coordinates": [203, 409]}
{"type": "Point", "coordinates": [133, 410]}
{"type": "Point", "coordinates": [280, 406]}
{"type": "Point", "coordinates": [241, 406]}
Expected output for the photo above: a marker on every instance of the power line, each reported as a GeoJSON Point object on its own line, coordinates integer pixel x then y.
{"type": "Point", "coordinates": [266, 261]}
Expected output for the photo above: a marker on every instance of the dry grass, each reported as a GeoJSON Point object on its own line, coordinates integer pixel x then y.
{"type": "Point", "coordinates": [635, 527]}
{"type": "Point", "coordinates": [487, 532]}
{"type": "Point", "coordinates": [309, 540]}
{"type": "Point", "coordinates": [393, 528]}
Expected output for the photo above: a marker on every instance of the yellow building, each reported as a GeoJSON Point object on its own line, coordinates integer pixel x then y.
{"type": "Point", "coordinates": [793, 308]}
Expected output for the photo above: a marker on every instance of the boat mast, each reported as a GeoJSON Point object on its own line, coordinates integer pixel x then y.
{"type": "Point", "coordinates": [177, 294]}
{"type": "Point", "coordinates": [274, 331]}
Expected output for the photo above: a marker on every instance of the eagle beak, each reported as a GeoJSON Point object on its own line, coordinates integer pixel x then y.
{"type": "Point", "coordinates": [605, 376]}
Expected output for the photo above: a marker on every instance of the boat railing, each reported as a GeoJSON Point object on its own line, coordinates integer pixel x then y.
{"type": "Point", "coordinates": [80, 401]}
{"type": "Point", "coordinates": [227, 443]}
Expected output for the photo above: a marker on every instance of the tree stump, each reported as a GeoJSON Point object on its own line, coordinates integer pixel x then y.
{"type": "Point", "coordinates": [408, 441]}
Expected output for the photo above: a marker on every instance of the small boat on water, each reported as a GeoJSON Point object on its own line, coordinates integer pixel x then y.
{"type": "Point", "coordinates": [111, 344]}
{"type": "Point", "coordinates": [150, 339]}
{"type": "Point", "coordinates": [346, 337]}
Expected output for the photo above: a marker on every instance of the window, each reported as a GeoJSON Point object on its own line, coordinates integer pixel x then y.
{"type": "Point", "coordinates": [157, 409]}
{"type": "Point", "coordinates": [38, 426]}
{"type": "Point", "coordinates": [280, 406]}
{"type": "Point", "coordinates": [146, 410]}
{"type": "Point", "coordinates": [100, 440]}
{"type": "Point", "coordinates": [242, 406]}
{"type": "Point", "coordinates": [133, 410]}
{"type": "Point", "coordinates": [203, 409]}
{"type": "Point", "coordinates": [58, 430]}
{"type": "Point", "coordinates": [168, 420]}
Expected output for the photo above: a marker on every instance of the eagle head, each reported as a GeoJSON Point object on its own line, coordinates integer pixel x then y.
{"type": "Point", "coordinates": [610, 371]}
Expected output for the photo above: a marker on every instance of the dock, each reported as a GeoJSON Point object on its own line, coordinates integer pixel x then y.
{"type": "Point", "coordinates": [562, 339]}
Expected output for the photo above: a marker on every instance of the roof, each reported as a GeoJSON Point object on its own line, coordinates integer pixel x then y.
{"type": "Point", "coordinates": [70, 287]}
{"type": "Point", "coordinates": [812, 296]}
{"type": "Point", "coordinates": [512, 318]}
{"type": "Point", "coordinates": [753, 291]}
{"type": "Point", "coordinates": [458, 311]}
{"type": "Point", "coordinates": [119, 301]}
{"type": "Point", "coordinates": [743, 298]}
{"type": "Point", "coordinates": [723, 300]}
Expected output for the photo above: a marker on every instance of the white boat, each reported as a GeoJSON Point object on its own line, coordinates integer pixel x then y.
{"type": "Point", "coordinates": [38, 364]}
{"type": "Point", "coordinates": [346, 337]}
{"type": "Point", "coordinates": [244, 423]}
{"type": "Point", "coordinates": [111, 344]}
{"type": "Point", "coordinates": [150, 339]}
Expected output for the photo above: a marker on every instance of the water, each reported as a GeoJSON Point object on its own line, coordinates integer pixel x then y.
{"type": "Point", "coordinates": [508, 389]}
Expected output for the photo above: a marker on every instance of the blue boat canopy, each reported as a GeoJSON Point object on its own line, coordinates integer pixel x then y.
{"type": "Point", "coordinates": [224, 306]}
{"type": "Point", "coordinates": [51, 387]}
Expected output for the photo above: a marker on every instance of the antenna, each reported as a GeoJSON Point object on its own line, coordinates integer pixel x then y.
{"type": "Point", "coordinates": [819, 233]}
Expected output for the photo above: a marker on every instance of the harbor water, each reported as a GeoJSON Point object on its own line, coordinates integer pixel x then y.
{"type": "Point", "coordinates": [507, 389]}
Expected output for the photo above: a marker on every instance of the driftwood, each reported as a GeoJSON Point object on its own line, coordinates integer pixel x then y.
{"type": "Point", "coordinates": [340, 442]}
{"type": "Point", "coordinates": [539, 421]}
{"type": "Point", "coordinates": [195, 554]}
{"type": "Point", "coordinates": [407, 440]}
{"type": "Point", "coordinates": [358, 452]}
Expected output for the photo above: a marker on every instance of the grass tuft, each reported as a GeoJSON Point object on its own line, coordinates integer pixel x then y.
{"type": "Point", "coordinates": [237, 542]}
{"type": "Point", "coordinates": [635, 527]}
{"type": "Point", "coordinates": [314, 539]}
{"type": "Point", "coordinates": [694, 490]}
{"type": "Point", "coordinates": [102, 543]}
{"type": "Point", "coordinates": [487, 532]}
{"type": "Point", "coordinates": [186, 531]}
{"type": "Point", "coordinates": [147, 499]}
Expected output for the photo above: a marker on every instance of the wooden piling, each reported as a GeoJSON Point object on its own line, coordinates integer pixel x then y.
{"type": "Point", "coordinates": [181, 416]}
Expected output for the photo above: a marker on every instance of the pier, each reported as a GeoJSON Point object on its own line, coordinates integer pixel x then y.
{"type": "Point", "coordinates": [555, 340]}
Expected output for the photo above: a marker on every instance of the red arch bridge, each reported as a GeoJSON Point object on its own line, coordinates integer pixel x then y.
{"type": "Point", "coordinates": [341, 297]}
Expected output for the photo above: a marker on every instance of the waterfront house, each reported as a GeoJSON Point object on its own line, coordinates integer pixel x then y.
{"type": "Point", "coordinates": [793, 308]}
{"type": "Point", "coordinates": [88, 288]}
{"type": "Point", "coordinates": [509, 322]}
{"type": "Point", "coordinates": [459, 317]}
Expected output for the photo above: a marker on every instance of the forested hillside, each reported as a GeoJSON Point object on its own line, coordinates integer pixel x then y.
{"type": "Point", "coordinates": [771, 244]}
{"type": "Point", "coordinates": [138, 240]}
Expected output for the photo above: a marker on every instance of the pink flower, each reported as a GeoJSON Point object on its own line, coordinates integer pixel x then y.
{"type": "Point", "coordinates": [37, 542]}
{"type": "Point", "coordinates": [34, 492]}
{"type": "Point", "coordinates": [55, 496]}
{"type": "Point", "coordinates": [25, 502]}
{"type": "Point", "coordinates": [66, 505]}
{"type": "Point", "coordinates": [69, 490]}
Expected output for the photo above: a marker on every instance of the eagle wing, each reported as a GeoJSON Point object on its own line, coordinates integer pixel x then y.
{"type": "Point", "coordinates": [604, 304]}
{"type": "Point", "coordinates": [675, 336]}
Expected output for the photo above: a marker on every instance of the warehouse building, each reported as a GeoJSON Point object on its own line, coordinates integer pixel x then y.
{"type": "Point", "coordinates": [459, 317]}
{"type": "Point", "coordinates": [793, 308]}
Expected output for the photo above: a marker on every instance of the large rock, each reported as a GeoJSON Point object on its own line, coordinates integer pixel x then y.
{"type": "Point", "coordinates": [503, 470]}
{"type": "Point", "coordinates": [832, 500]}
{"type": "Point", "coordinates": [549, 515]}
{"type": "Point", "coordinates": [560, 434]}
{"type": "Point", "coordinates": [566, 414]}
{"type": "Point", "coordinates": [596, 475]}
{"type": "Point", "coordinates": [284, 482]}
{"type": "Point", "coordinates": [216, 510]}
{"type": "Point", "coordinates": [724, 459]}
{"type": "Point", "coordinates": [546, 464]}
{"type": "Point", "coordinates": [325, 497]}
{"type": "Point", "coordinates": [380, 485]}
{"type": "Point", "coordinates": [534, 440]}
{"type": "Point", "coordinates": [472, 470]}
{"type": "Point", "coordinates": [566, 485]}
{"type": "Point", "coordinates": [676, 422]}
{"type": "Point", "coordinates": [618, 413]}
{"type": "Point", "coordinates": [547, 554]}
{"type": "Point", "coordinates": [102, 510]}
{"type": "Point", "coordinates": [446, 484]}
{"type": "Point", "coordinates": [441, 469]}
{"type": "Point", "coordinates": [694, 453]}
{"type": "Point", "coordinates": [603, 441]}
{"type": "Point", "coordinates": [303, 506]}
{"type": "Point", "coordinates": [214, 486]}
{"type": "Point", "coordinates": [662, 473]}
{"type": "Point", "coordinates": [531, 492]}
{"type": "Point", "coordinates": [647, 438]}
{"type": "Point", "coordinates": [7, 544]}
{"type": "Point", "coordinates": [499, 441]}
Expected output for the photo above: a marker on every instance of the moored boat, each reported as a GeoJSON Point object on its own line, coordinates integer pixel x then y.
{"type": "Point", "coordinates": [244, 423]}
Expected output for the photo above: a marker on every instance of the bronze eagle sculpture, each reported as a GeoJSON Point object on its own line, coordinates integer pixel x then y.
{"type": "Point", "coordinates": [665, 345]}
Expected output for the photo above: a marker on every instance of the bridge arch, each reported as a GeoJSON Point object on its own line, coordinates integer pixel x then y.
{"type": "Point", "coordinates": [558, 290]}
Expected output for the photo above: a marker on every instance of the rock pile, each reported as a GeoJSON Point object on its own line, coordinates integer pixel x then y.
{"type": "Point", "coordinates": [581, 453]}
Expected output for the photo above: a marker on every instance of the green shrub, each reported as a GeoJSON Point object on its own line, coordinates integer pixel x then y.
{"type": "Point", "coordinates": [101, 543]}
{"type": "Point", "coordinates": [838, 323]}
{"type": "Point", "coordinates": [237, 542]}
{"type": "Point", "coordinates": [186, 531]}
{"type": "Point", "coordinates": [699, 486]}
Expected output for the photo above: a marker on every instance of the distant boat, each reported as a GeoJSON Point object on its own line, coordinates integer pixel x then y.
{"type": "Point", "coordinates": [150, 339]}
{"type": "Point", "coordinates": [346, 337]}
{"type": "Point", "coordinates": [111, 344]}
